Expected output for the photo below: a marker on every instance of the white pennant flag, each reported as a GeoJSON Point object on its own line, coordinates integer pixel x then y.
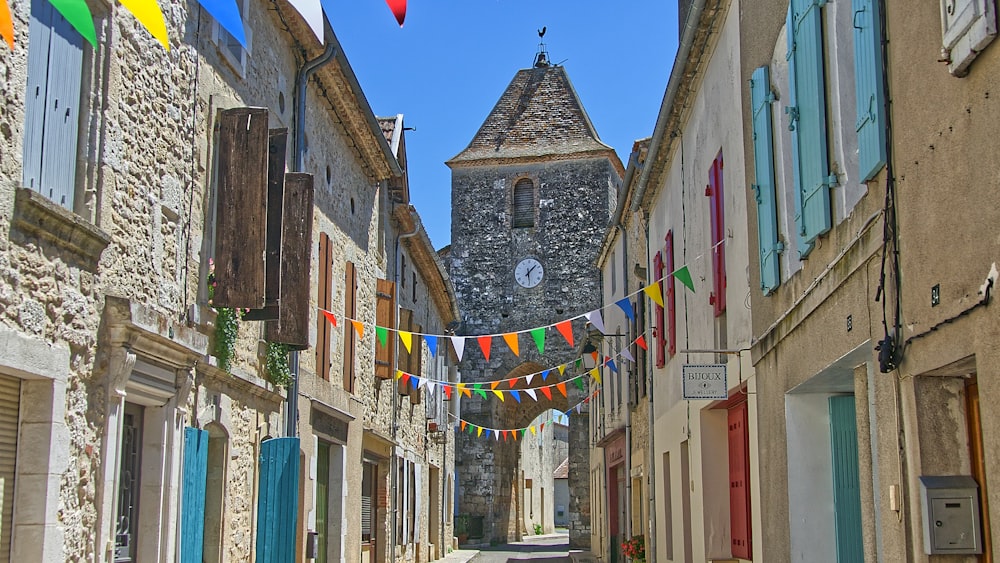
{"type": "Point", "coordinates": [627, 355]}
{"type": "Point", "coordinates": [578, 408]}
{"type": "Point", "coordinates": [458, 342]}
{"type": "Point", "coordinates": [529, 377]}
{"type": "Point", "coordinates": [496, 434]}
{"type": "Point", "coordinates": [531, 393]}
{"type": "Point", "coordinates": [420, 382]}
{"type": "Point", "coordinates": [430, 387]}
{"type": "Point", "coordinates": [312, 12]}
{"type": "Point", "coordinates": [595, 319]}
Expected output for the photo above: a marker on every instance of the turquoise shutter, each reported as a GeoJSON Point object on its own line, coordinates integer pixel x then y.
{"type": "Point", "coordinates": [52, 104]}
{"type": "Point", "coordinates": [808, 112]}
{"type": "Point", "coordinates": [277, 501]}
{"type": "Point", "coordinates": [846, 483]}
{"type": "Point", "coordinates": [193, 501]}
{"type": "Point", "coordinates": [870, 89]}
{"type": "Point", "coordinates": [767, 214]}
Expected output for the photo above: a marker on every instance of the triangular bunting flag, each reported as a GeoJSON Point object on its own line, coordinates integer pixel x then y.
{"type": "Point", "coordinates": [511, 339]}
{"type": "Point", "coordinates": [562, 369]}
{"type": "Point", "coordinates": [594, 355]}
{"type": "Point", "coordinates": [329, 316]}
{"type": "Point", "coordinates": [641, 342]}
{"type": "Point", "coordinates": [596, 374]}
{"type": "Point", "coordinates": [579, 382]}
{"type": "Point", "coordinates": [461, 389]}
{"type": "Point", "coordinates": [399, 374]}
{"type": "Point", "coordinates": [626, 306]}
{"type": "Point", "coordinates": [596, 319]}
{"type": "Point", "coordinates": [227, 14]}
{"type": "Point", "coordinates": [523, 430]}
{"type": "Point", "coordinates": [531, 393]}
{"type": "Point", "coordinates": [432, 344]}
{"type": "Point", "coordinates": [430, 386]}
{"type": "Point", "coordinates": [655, 293]}
{"type": "Point", "coordinates": [149, 15]}
{"type": "Point", "coordinates": [494, 384]}
{"type": "Point", "coordinates": [398, 8]}
{"type": "Point", "coordinates": [496, 435]}
{"type": "Point", "coordinates": [78, 14]}
{"type": "Point", "coordinates": [528, 378]}
{"type": "Point", "coordinates": [512, 382]}
{"type": "Point", "coordinates": [532, 428]}
{"type": "Point", "coordinates": [538, 334]}
{"type": "Point", "coordinates": [565, 328]}
{"type": "Point", "coordinates": [684, 276]}
{"type": "Point", "coordinates": [312, 12]}
{"type": "Point", "coordinates": [478, 390]}
{"type": "Point", "coordinates": [627, 355]}
{"type": "Point", "coordinates": [359, 328]}
{"type": "Point", "coordinates": [405, 378]}
{"type": "Point", "coordinates": [579, 362]}
{"type": "Point", "coordinates": [562, 388]}
{"type": "Point", "coordinates": [488, 432]}
{"type": "Point", "coordinates": [461, 424]}
{"type": "Point", "coordinates": [499, 394]}
{"type": "Point", "coordinates": [578, 406]}
{"type": "Point", "coordinates": [542, 426]}
{"type": "Point", "coordinates": [447, 391]}
{"type": "Point", "coordinates": [407, 339]}
{"type": "Point", "coordinates": [547, 391]}
{"type": "Point", "coordinates": [7, 24]}
{"type": "Point", "coordinates": [382, 334]}
{"type": "Point", "coordinates": [611, 364]}
{"type": "Point", "coordinates": [484, 344]}
{"type": "Point", "coordinates": [416, 381]}
{"type": "Point", "coordinates": [479, 432]}
{"type": "Point", "coordinates": [458, 343]}
{"type": "Point", "coordinates": [517, 395]}
{"type": "Point", "coordinates": [545, 374]}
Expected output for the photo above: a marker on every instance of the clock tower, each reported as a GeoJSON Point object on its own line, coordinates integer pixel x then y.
{"type": "Point", "coordinates": [532, 195]}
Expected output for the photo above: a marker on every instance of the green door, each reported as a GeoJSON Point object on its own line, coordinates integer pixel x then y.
{"type": "Point", "coordinates": [846, 488]}
{"type": "Point", "coordinates": [322, 498]}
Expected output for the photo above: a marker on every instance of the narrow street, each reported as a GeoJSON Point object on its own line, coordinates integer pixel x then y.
{"type": "Point", "coordinates": [549, 548]}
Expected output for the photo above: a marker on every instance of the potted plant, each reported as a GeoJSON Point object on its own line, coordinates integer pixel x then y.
{"type": "Point", "coordinates": [462, 528]}
{"type": "Point", "coordinates": [635, 549]}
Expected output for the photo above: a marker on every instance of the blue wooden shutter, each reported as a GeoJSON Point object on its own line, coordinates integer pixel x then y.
{"type": "Point", "coordinates": [846, 484]}
{"type": "Point", "coordinates": [763, 187]}
{"type": "Point", "coordinates": [277, 500]}
{"type": "Point", "coordinates": [52, 104]}
{"type": "Point", "coordinates": [193, 503]}
{"type": "Point", "coordinates": [870, 89]}
{"type": "Point", "coordinates": [808, 109]}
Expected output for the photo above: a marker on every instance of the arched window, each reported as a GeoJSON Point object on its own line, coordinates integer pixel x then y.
{"type": "Point", "coordinates": [524, 204]}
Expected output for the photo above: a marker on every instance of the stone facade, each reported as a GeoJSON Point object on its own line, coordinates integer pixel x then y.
{"type": "Point", "coordinates": [537, 138]}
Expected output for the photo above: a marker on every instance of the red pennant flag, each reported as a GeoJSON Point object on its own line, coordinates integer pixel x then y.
{"type": "Point", "coordinates": [329, 316]}
{"type": "Point", "coordinates": [405, 378]}
{"type": "Point", "coordinates": [547, 391]}
{"type": "Point", "coordinates": [484, 344]}
{"type": "Point", "coordinates": [512, 382]}
{"type": "Point", "coordinates": [398, 8]}
{"type": "Point", "coordinates": [642, 343]}
{"type": "Point", "coordinates": [447, 391]}
{"type": "Point", "coordinates": [565, 328]}
{"type": "Point", "coordinates": [562, 388]}
{"type": "Point", "coordinates": [504, 435]}
{"type": "Point", "coordinates": [542, 426]}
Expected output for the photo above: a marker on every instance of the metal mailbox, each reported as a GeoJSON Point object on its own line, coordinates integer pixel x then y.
{"type": "Point", "coordinates": [950, 506]}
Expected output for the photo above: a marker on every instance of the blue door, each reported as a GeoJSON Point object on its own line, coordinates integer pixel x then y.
{"type": "Point", "coordinates": [846, 484]}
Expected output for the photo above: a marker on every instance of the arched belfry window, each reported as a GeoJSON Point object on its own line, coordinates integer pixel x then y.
{"type": "Point", "coordinates": [524, 204]}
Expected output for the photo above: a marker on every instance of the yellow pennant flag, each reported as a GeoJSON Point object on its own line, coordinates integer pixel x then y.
{"type": "Point", "coordinates": [532, 430]}
{"type": "Point", "coordinates": [479, 431]}
{"type": "Point", "coordinates": [407, 338]}
{"type": "Point", "coordinates": [654, 292]}
{"type": "Point", "coordinates": [149, 15]}
{"type": "Point", "coordinates": [596, 373]}
{"type": "Point", "coordinates": [498, 394]}
{"type": "Point", "coordinates": [511, 339]}
{"type": "Point", "coordinates": [562, 369]}
{"type": "Point", "coordinates": [399, 373]}
{"type": "Point", "coordinates": [461, 389]}
{"type": "Point", "coordinates": [359, 328]}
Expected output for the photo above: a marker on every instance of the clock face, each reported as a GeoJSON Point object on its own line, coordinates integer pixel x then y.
{"type": "Point", "coordinates": [528, 272]}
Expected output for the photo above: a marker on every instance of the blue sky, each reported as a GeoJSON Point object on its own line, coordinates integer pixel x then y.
{"type": "Point", "coordinates": [449, 64]}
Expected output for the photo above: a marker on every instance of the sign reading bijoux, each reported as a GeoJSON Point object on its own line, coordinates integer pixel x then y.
{"type": "Point", "coordinates": [706, 381]}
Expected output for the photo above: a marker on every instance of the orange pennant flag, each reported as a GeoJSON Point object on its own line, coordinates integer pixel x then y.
{"type": "Point", "coordinates": [594, 355]}
{"type": "Point", "coordinates": [494, 384]}
{"type": "Point", "coordinates": [359, 328]}
{"type": "Point", "coordinates": [484, 344]}
{"type": "Point", "coordinates": [461, 424]}
{"type": "Point", "coordinates": [6, 24]}
{"type": "Point", "coordinates": [547, 391]}
{"type": "Point", "coordinates": [329, 316]}
{"type": "Point", "coordinates": [461, 389]}
{"type": "Point", "coordinates": [565, 328]}
{"type": "Point", "coordinates": [511, 339]}
{"type": "Point", "coordinates": [562, 388]}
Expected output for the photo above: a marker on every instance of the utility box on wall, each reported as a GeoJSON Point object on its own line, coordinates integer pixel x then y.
{"type": "Point", "coordinates": [950, 506]}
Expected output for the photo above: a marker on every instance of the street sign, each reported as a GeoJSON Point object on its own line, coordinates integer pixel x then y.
{"type": "Point", "coordinates": [706, 381]}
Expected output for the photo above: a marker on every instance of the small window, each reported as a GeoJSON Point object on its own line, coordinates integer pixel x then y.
{"type": "Point", "coordinates": [369, 510]}
{"type": "Point", "coordinates": [967, 27]}
{"type": "Point", "coordinates": [524, 204]}
{"type": "Point", "coordinates": [232, 51]}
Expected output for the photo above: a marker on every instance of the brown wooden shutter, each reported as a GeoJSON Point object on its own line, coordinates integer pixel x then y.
{"type": "Point", "coordinates": [524, 204]}
{"type": "Point", "coordinates": [323, 299]}
{"type": "Point", "coordinates": [241, 208]}
{"type": "Point", "coordinates": [385, 316]}
{"type": "Point", "coordinates": [350, 312]}
{"type": "Point", "coordinates": [405, 361]}
{"type": "Point", "coordinates": [292, 326]}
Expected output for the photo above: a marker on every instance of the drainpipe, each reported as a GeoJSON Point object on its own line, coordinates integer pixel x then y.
{"type": "Point", "coordinates": [651, 422]}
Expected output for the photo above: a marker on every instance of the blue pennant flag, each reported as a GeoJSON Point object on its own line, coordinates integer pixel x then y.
{"type": "Point", "coordinates": [432, 344]}
{"type": "Point", "coordinates": [545, 374]}
{"type": "Point", "coordinates": [626, 306]}
{"type": "Point", "coordinates": [517, 396]}
{"type": "Point", "coordinates": [611, 364]}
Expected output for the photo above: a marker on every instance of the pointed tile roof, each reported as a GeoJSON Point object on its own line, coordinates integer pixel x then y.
{"type": "Point", "coordinates": [538, 116]}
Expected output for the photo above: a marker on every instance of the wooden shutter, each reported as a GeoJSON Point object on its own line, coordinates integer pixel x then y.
{"type": "Point", "coordinates": [717, 214]}
{"type": "Point", "coordinates": [405, 358]}
{"type": "Point", "coordinates": [846, 484]}
{"type": "Point", "coordinates": [869, 87]}
{"type": "Point", "coordinates": [369, 494]}
{"type": "Point", "coordinates": [277, 500]}
{"type": "Point", "coordinates": [292, 326]}
{"type": "Point", "coordinates": [10, 395]}
{"type": "Point", "coordinates": [193, 501]}
{"type": "Point", "coordinates": [52, 104]}
{"type": "Point", "coordinates": [277, 142]}
{"type": "Point", "coordinates": [808, 109]}
{"type": "Point", "coordinates": [524, 204]}
{"type": "Point", "coordinates": [350, 312]}
{"type": "Point", "coordinates": [739, 482]}
{"type": "Point", "coordinates": [241, 210]}
{"type": "Point", "coordinates": [768, 244]}
{"type": "Point", "coordinates": [416, 362]}
{"type": "Point", "coordinates": [670, 298]}
{"type": "Point", "coordinates": [323, 299]}
{"type": "Point", "coordinates": [385, 316]}
{"type": "Point", "coordinates": [661, 343]}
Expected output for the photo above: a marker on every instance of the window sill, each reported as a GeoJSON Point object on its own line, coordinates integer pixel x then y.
{"type": "Point", "coordinates": [36, 215]}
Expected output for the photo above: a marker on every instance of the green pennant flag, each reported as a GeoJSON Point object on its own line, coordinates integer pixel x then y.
{"type": "Point", "coordinates": [539, 335]}
{"type": "Point", "coordinates": [478, 390]}
{"type": "Point", "coordinates": [579, 362]}
{"type": "Point", "coordinates": [579, 383]}
{"type": "Point", "coordinates": [684, 276]}
{"type": "Point", "coordinates": [522, 432]}
{"type": "Point", "coordinates": [382, 334]}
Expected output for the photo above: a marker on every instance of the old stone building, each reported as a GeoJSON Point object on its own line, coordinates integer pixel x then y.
{"type": "Point", "coordinates": [531, 196]}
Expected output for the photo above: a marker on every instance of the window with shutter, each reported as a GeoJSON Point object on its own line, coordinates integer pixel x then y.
{"type": "Point", "coordinates": [967, 27]}
{"type": "Point", "coordinates": [416, 361]}
{"type": "Point", "coordinates": [768, 245]}
{"type": "Point", "coordinates": [869, 86]}
{"type": "Point", "coordinates": [808, 111]}
{"type": "Point", "coordinates": [230, 48]}
{"type": "Point", "coordinates": [524, 204]}
{"type": "Point", "coordinates": [670, 297]}
{"type": "Point", "coordinates": [369, 493]}
{"type": "Point", "coordinates": [661, 343]}
{"type": "Point", "coordinates": [323, 299]}
{"type": "Point", "coordinates": [715, 193]}
{"type": "Point", "coordinates": [52, 104]}
{"type": "Point", "coordinates": [739, 482]}
{"type": "Point", "coordinates": [350, 312]}
{"type": "Point", "coordinates": [385, 316]}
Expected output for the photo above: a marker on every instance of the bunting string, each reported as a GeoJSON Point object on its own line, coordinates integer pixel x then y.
{"type": "Point", "coordinates": [472, 428]}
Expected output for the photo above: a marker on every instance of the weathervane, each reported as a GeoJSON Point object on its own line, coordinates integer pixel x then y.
{"type": "Point", "coordinates": [542, 56]}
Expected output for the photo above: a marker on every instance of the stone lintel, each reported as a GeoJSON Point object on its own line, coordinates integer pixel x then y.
{"type": "Point", "coordinates": [36, 215]}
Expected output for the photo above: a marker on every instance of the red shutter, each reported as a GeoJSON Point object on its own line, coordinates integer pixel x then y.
{"type": "Point", "coordinates": [661, 357]}
{"type": "Point", "coordinates": [671, 301]}
{"type": "Point", "coordinates": [323, 299]}
{"type": "Point", "coordinates": [739, 482]}
{"type": "Point", "coordinates": [715, 192]}
{"type": "Point", "coordinates": [350, 312]}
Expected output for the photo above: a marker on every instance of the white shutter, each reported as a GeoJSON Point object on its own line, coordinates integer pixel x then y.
{"type": "Point", "coordinates": [967, 26]}
{"type": "Point", "coordinates": [10, 393]}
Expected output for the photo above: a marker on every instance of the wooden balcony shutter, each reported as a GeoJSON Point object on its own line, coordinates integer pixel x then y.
{"type": "Point", "coordinates": [524, 204]}
{"type": "Point", "coordinates": [350, 312]}
{"type": "Point", "coordinates": [241, 208]}
{"type": "Point", "coordinates": [385, 316]}
{"type": "Point", "coordinates": [292, 326]}
{"type": "Point", "coordinates": [405, 361]}
{"type": "Point", "coordinates": [739, 482]}
{"type": "Point", "coordinates": [323, 299]}
{"type": "Point", "coordinates": [660, 344]}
